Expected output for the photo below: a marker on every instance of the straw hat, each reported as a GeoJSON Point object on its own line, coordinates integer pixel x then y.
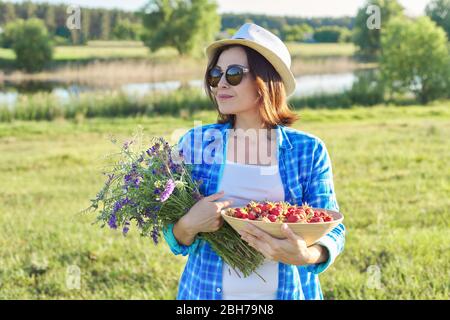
{"type": "Point", "coordinates": [267, 44]}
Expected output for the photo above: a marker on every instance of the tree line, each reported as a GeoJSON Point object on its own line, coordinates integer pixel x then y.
{"type": "Point", "coordinates": [106, 24]}
{"type": "Point", "coordinates": [96, 24]}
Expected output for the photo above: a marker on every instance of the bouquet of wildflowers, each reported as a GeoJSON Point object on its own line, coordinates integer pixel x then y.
{"type": "Point", "coordinates": [154, 188]}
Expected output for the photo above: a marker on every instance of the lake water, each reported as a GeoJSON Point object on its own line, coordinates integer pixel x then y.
{"type": "Point", "coordinates": [306, 86]}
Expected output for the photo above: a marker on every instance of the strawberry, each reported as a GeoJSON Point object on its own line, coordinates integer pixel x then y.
{"type": "Point", "coordinates": [257, 210]}
{"type": "Point", "coordinates": [275, 211]}
{"type": "Point", "coordinates": [280, 212]}
{"type": "Point", "coordinates": [293, 218]}
{"type": "Point", "coordinates": [315, 219]}
{"type": "Point", "coordinates": [252, 216]}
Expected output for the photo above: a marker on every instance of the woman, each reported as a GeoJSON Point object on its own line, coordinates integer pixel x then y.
{"type": "Point", "coordinates": [248, 79]}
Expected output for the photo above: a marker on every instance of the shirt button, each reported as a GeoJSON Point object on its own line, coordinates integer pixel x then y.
{"type": "Point", "coordinates": [218, 289]}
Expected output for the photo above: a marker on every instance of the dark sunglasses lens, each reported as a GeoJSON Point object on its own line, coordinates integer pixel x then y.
{"type": "Point", "coordinates": [214, 76]}
{"type": "Point", "coordinates": [234, 75]}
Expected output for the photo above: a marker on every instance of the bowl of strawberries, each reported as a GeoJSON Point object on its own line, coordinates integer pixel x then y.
{"type": "Point", "coordinates": [306, 221]}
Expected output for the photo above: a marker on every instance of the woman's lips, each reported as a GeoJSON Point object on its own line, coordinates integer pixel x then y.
{"type": "Point", "coordinates": [224, 96]}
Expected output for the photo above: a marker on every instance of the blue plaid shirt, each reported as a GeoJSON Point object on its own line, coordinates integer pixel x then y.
{"type": "Point", "coordinates": [306, 173]}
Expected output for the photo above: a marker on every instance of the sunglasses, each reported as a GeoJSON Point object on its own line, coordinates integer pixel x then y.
{"type": "Point", "coordinates": [233, 75]}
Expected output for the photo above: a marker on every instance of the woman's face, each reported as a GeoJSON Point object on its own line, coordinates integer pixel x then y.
{"type": "Point", "coordinates": [244, 95]}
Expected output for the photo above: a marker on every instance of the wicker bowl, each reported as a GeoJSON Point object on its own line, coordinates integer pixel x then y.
{"type": "Point", "coordinates": [311, 232]}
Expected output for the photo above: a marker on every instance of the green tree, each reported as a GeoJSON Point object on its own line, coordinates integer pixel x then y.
{"type": "Point", "coordinates": [439, 12]}
{"type": "Point", "coordinates": [187, 26]}
{"type": "Point", "coordinates": [126, 30]}
{"type": "Point", "coordinates": [95, 25]}
{"type": "Point", "coordinates": [61, 17]}
{"type": "Point", "coordinates": [26, 9]}
{"type": "Point", "coordinates": [231, 31]}
{"type": "Point", "coordinates": [50, 19]}
{"type": "Point", "coordinates": [368, 39]}
{"type": "Point", "coordinates": [31, 43]}
{"type": "Point", "coordinates": [345, 36]}
{"type": "Point", "coordinates": [7, 13]}
{"type": "Point", "coordinates": [329, 34]}
{"type": "Point", "coordinates": [8, 34]}
{"type": "Point", "coordinates": [85, 25]}
{"type": "Point", "coordinates": [415, 57]}
{"type": "Point", "coordinates": [297, 32]}
{"type": "Point", "coordinates": [105, 25]}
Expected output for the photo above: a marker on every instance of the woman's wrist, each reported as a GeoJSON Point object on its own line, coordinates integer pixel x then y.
{"type": "Point", "coordinates": [183, 231]}
{"type": "Point", "coordinates": [317, 254]}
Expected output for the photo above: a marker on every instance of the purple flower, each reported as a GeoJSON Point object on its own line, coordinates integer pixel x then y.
{"type": "Point", "coordinates": [112, 221]}
{"type": "Point", "coordinates": [117, 206]}
{"type": "Point", "coordinates": [155, 234]}
{"type": "Point", "coordinates": [151, 214]}
{"type": "Point", "coordinates": [174, 167]}
{"type": "Point", "coordinates": [150, 151]}
{"type": "Point", "coordinates": [127, 201]}
{"type": "Point", "coordinates": [140, 222]}
{"type": "Point", "coordinates": [127, 144]}
{"type": "Point", "coordinates": [126, 228]}
{"type": "Point", "coordinates": [132, 178]}
{"type": "Point", "coordinates": [170, 186]}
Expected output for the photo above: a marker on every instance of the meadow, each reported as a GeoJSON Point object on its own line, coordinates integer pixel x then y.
{"type": "Point", "coordinates": [136, 49]}
{"type": "Point", "coordinates": [391, 177]}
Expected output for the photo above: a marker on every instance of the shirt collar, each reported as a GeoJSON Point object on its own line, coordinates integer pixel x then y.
{"type": "Point", "coordinates": [282, 138]}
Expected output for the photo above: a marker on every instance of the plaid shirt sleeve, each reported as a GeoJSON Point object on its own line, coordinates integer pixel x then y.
{"type": "Point", "coordinates": [176, 247]}
{"type": "Point", "coordinates": [320, 194]}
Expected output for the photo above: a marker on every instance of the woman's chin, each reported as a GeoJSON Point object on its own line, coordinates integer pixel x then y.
{"type": "Point", "coordinates": [227, 110]}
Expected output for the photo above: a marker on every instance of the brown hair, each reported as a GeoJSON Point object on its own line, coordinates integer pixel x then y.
{"type": "Point", "coordinates": [273, 105]}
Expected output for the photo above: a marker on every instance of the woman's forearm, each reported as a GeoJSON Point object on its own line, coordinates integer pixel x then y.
{"type": "Point", "coordinates": [318, 254]}
{"type": "Point", "coordinates": [183, 233]}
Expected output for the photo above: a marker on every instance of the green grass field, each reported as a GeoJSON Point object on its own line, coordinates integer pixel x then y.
{"type": "Point", "coordinates": [98, 51]}
{"type": "Point", "coordinates": [130, 49]}
{"type": "Point", "coordinates": [318, 50]}
{"type": "Point", "coordinates": [392, 182]}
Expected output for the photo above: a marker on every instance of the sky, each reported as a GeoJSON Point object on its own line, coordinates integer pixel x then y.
{"type": "Point", "coordinates": [299, 8]}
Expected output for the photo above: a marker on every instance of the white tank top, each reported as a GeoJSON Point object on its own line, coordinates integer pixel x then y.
{"type": "Point", "coordinates": [243, 183]}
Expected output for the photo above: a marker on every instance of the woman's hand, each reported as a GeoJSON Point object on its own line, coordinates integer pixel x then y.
{"type": "Point", "coordinates": [205, 215]}
{"type": "Point", "coordinates": [292, 250]}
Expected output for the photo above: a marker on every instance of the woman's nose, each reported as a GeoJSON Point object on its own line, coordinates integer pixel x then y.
{"type": "Point", "coordinates": [223, 82]}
